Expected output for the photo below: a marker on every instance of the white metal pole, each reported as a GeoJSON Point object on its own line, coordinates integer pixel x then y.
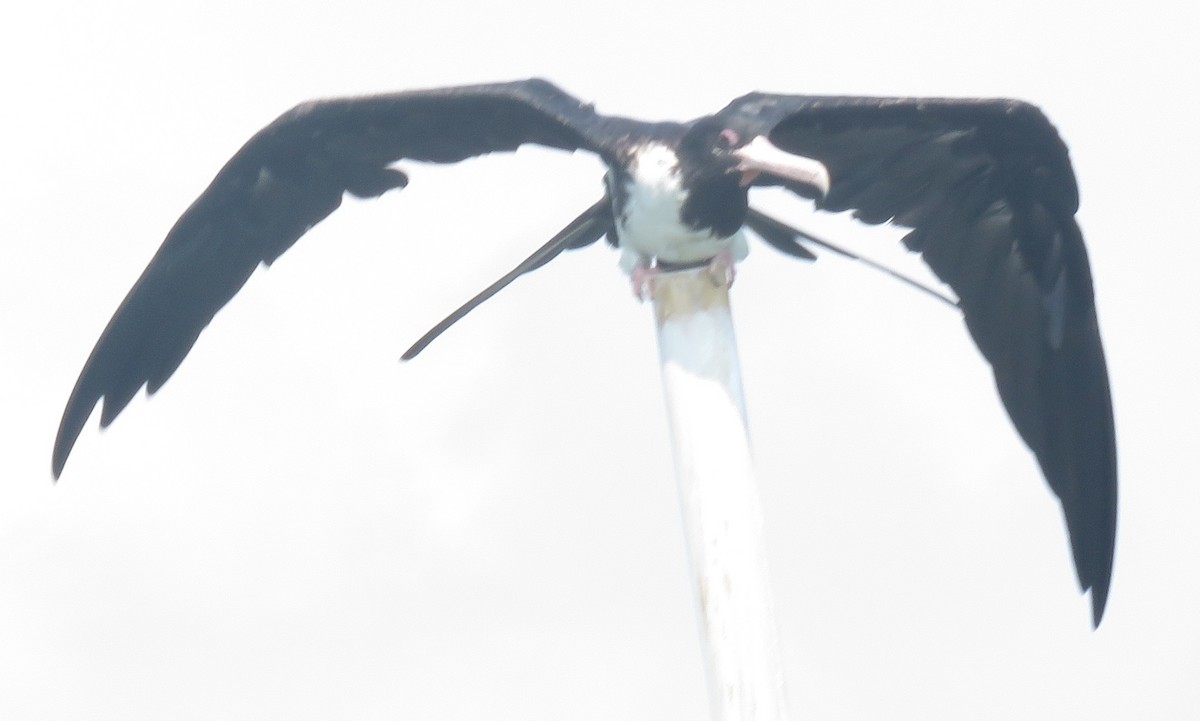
{"type": "Point", "coordinates": [722, 512]}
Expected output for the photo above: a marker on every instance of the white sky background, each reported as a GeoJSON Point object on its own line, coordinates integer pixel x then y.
{"type": "Point", "coordinates": [297, 526]}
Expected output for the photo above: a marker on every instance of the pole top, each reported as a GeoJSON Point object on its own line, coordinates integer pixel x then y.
{"type": "Point", "coordinates": [683, 292]}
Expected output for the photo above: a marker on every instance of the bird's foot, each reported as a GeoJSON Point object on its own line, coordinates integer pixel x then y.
{"type": "Point", "coordinates": [643, 277]}
{"type": "Point", "coordinates": [721, 269]}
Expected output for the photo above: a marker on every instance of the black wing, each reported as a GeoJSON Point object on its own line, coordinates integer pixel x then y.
{"type": "Point", "coordinates": [987, 187]}
{"type": "Point", "coordinates": [285, 180]}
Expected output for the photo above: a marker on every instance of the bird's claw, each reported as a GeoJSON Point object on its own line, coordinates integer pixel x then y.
{"type": "Point", "coordinates": [643, 278]}
{"type": "Point", "coordinates": [721, 269]}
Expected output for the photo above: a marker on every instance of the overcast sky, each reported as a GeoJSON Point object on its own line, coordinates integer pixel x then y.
{"type": "Point", "coordinates": [299, 527]}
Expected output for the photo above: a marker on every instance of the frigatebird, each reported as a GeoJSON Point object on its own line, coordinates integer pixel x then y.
{"type": "Point", "coordinates": [986, 187]}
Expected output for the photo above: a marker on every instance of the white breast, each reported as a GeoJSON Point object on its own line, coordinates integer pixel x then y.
{"type": "Point", "coordinates": [650, 226]}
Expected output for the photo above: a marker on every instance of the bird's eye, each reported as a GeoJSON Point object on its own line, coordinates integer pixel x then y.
{"type": "Point", "coordinates": [728, 138]}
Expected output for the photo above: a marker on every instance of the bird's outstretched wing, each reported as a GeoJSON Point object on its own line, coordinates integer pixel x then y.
{"type": "Point", "coordinates": [286, 179]}
{"type": "Point", "coordinates": [987, 187]}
